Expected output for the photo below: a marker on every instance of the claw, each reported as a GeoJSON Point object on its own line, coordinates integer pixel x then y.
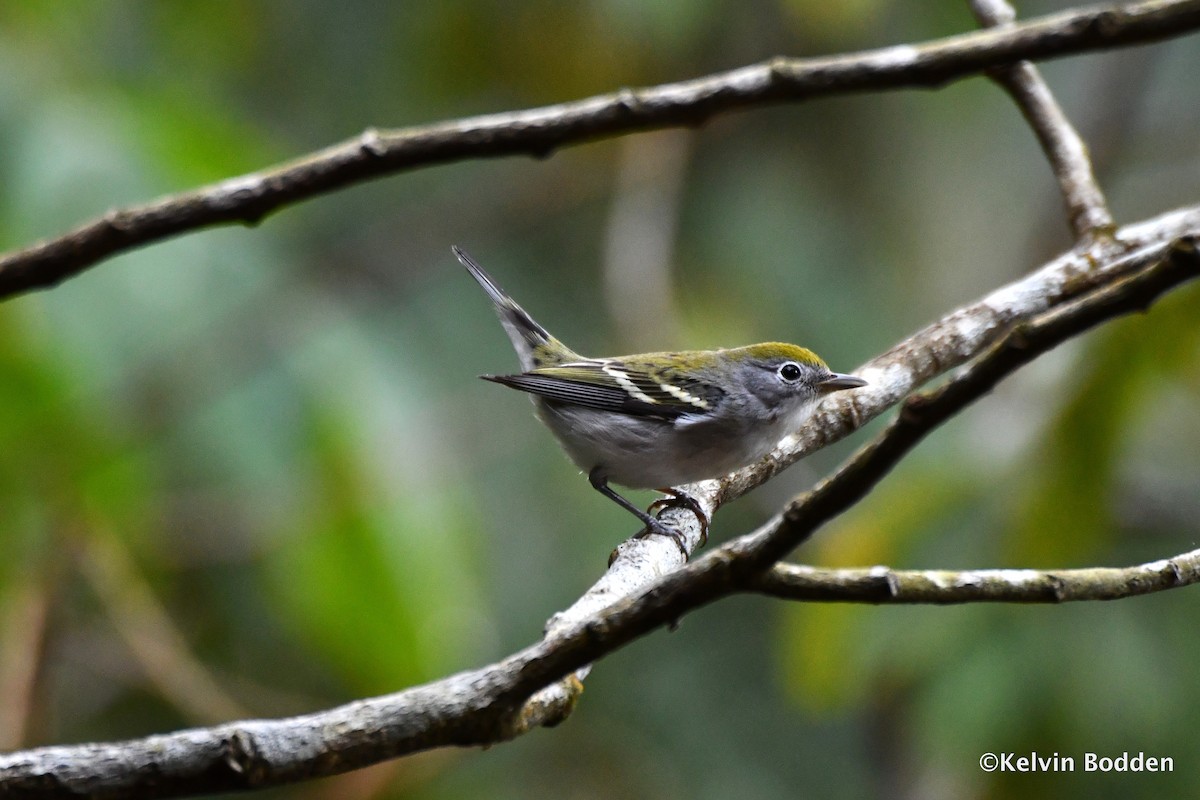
{"type": "Point", "coordinates": [680, 500]}
{"type": "Point", "coordinates": [654, 526]}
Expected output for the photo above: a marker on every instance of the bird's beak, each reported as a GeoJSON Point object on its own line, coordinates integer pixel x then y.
{"type": "Point", "coordinates": [837, 381]}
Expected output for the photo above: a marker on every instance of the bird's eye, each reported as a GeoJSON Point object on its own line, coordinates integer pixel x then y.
{"type": "Point", "coordinates": [790, 372]}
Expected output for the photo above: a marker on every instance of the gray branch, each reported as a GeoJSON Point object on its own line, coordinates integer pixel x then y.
{"type": "Point", "coordinates": [540, 131]}
{"type": "Point", "coordinates": [1087, 210]}
{"type": "Point", "coordinates": [882, 585]}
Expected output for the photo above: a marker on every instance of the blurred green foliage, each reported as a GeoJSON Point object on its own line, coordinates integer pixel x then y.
{"type": "Point", "coordinates": [277, 438]}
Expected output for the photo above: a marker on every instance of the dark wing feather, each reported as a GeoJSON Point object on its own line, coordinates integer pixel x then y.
{"type": "Point", "coordinates": [589, 394]}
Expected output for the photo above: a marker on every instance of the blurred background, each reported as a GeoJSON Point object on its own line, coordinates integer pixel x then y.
{"type": "Point", "coordinates": [251, 472]}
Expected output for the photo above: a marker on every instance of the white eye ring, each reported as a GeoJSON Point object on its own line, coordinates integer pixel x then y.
{"type": "Point", "coordinates": [790, 372]}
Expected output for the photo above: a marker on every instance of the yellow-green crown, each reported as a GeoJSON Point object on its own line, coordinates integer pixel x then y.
{"type": "Point", "coordinates": [766, 351]}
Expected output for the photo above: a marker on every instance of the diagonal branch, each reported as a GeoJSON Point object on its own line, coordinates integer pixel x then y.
{"type": "Point", "coordinates": [1087, 210]}
{"type": "Point", "coordinates": [487, 705]}
{"type": "Point", "coordinates": [737, 565]}
{"type": "Point", "coordinates": [541, 131]}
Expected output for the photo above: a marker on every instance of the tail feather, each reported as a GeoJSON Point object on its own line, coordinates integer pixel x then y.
{"type": "Point", "coordinates": [534, 345]}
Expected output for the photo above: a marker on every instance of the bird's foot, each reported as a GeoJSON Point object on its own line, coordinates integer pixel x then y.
{"type": "Point", "coordinates": [680, 500]}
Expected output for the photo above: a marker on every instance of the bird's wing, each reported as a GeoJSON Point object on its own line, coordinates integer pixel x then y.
{"type": "Point", "coordinates": [613, 385]}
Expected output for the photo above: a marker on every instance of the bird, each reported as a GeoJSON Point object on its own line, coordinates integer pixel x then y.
{"type": "Point", "coordinates": [660, 420]}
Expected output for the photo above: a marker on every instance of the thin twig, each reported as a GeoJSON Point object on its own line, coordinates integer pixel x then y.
{"type": "Point", "coordinates": [881, 585]}
{"type": "Point", "coordinates": [23, 629]}
{"type": "Point", "coordinates": [1087, 210]}
{"type": "Point", "coordinates": [152, 637]}
{"type": "Point", "coordinates": [540, 131]}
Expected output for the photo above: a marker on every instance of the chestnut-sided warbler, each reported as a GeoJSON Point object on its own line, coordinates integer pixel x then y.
{"type": "Point", "coordinates": [657, 420]}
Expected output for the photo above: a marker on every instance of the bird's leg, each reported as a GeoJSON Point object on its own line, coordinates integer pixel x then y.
{"type": "Point", "coordinates": [680, 500]}
{"type": "Point", "coordinates": [600, 484]}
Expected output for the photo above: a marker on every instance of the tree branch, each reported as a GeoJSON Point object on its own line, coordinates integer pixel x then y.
{"type": "Point", "coordinates": [541, 131]}
{"type": "Point", "coordinates": [1087, 210]}
{"type": "Point", "coordinates": [882, 585]}
{"type": "Point", "coordinates": [488, 705]}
